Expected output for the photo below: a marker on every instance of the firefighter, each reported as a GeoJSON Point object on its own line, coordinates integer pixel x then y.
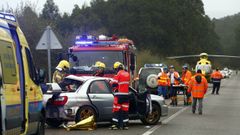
{"type": "Point", "coordinates": [198, 87]}
{"type": "Point", "coordinates": [60, 72]}
{"type": "Point", "coordinates": [216, 77]}
{"type": "Point", "coordinates": [174, 80]}
{"type": "Point", "coordinates": [163, 82]}
{"type": "Point", "coordinates": [121, 99]}
{"type": "Point", "coordinates": [186, 76]}
{"type": "Point", "coordinates": [100, 69]}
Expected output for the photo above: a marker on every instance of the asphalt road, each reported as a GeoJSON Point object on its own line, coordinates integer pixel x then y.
{"type": "Point", "coordinates": [220, 117]}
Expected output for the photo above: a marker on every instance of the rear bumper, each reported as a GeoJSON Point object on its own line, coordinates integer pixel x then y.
{"type": "Point", "coordinates": [164, 110]}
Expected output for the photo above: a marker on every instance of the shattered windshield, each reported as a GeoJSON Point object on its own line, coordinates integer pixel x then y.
{"type": "Point", "coordinates": [85, 60]}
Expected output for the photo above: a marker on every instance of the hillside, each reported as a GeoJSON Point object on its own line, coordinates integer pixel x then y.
{"type": "Point", "coordinates": [226, 30]}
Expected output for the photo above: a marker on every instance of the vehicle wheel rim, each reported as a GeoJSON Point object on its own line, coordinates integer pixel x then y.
{"type": "Point", "coordinates": [151, 118]}
{"type": "Point", "coordinates": [86, 113]}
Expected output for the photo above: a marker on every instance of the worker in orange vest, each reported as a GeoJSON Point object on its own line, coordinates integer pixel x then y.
{"type": "Point", "coordinates": [121, 98]}
{"type": "Point", "coordinates": [186, 77]}
{"type": "Point", "coordinates": [216, 77]}
{"type": "Point", "coordinates": [198, 87]}
{"type": "Point", "coordinates": [163, 82]}
{"type": "Point", "coordinates": [174, 80]}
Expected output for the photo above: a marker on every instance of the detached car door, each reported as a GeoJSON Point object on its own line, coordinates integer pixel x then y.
{"type": "Point", "coordinates": [101, 97]}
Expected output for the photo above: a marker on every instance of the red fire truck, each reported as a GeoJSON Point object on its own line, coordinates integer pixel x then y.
{"type": "Point", "coordinates": [90, 49]}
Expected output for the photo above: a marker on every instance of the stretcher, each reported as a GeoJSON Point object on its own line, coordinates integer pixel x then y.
{"type": "Point", "coordinates": [182, 90]}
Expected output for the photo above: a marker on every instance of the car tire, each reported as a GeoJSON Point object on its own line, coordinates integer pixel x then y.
{"type": "Point", "coordinates": [85, 112]}
{"type": "Point", "coordinates": [154, 117]}
{"type": "Point", "coordinates": [152, 81]}
{"type": "Point", "coordinates": [53, 122]}
{"type": "Point", "coordinates": [41, 126]}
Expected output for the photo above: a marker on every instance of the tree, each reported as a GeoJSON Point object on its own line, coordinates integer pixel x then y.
{"type": "Point", "coordinates": [50, 11]}
{"type": "Point", "coordinates": [236, 48]}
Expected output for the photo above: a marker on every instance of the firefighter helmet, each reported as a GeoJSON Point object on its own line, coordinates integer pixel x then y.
{"type": "Point", "coordinates": [100, 64]}
{"type": "Point", "coordinates": [63, 64]}
{"type": "Point", "coordinates": [118, 65]}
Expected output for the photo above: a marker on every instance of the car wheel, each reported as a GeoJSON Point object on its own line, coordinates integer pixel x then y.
{"type": "Point", "coordinates": [152, 81]}
{"type": "Point", "coordinates": [154, 117]}
{"type": "Point", "coordinates": [41, 126]}
{"type": "Point", "coordinates": [84, 112]}
{"type": "Point", "coordinates": [54, 122]}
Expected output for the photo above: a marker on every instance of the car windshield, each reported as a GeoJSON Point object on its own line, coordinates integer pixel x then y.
{"type": "Point", "coordinates": [85, 60]}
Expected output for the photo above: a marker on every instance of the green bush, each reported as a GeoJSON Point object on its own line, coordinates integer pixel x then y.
{"type": "Point", "coordinates": [147, 57]}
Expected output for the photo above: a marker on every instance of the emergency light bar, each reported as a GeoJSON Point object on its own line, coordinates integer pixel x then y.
{"type": "Point", "coordinates": [7, 16]}
{"type": "Point", "coordinates": [155, 65]}
{"type": "Point", "coordinates": [86, 40]}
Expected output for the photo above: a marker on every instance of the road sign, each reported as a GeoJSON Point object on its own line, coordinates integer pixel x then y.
{"type": "Point", "coordinates": [48, 37]}
{"type": "Point", "coordinates": [47, 42]}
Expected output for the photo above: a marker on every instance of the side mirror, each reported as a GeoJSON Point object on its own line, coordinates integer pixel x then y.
{"type": "Point", "coordinates": [41, 76]}
{"type": "Point", "coordinates": [53, 88]}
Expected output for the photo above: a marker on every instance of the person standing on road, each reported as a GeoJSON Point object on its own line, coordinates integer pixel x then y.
{"type": "Point", "coordinates": [121, 99]}
{"type": "Point", "coordinates": [186, 77]}
{"type": "Point", "coordinates": [174, 80]}
{"type": "Point", "coordinates": [198, 87]}
{"type": "Point", "coordinates": [163, 82]}
{"type": "Point", "coordinates": [216, 77]}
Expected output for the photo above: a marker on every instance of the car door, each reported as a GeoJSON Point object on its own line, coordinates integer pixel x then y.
{"type": "Point", "coordinates": [10, 98]}
{"type": "Point", "coordinates": [101, 97]}
{"type": "Point", "coordinates": [34, 93]}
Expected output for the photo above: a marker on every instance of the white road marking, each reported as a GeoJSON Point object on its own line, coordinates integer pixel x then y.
{"type": "Point", "coordinates": [174, 115]}
{"type": "Point", "coordinates": [151, 130]}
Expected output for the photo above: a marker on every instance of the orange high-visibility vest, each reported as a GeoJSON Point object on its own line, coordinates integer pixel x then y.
{"type": "Point", "coordinates": [216, 75]}
{"type": "Point", "coordinates": [186, 77]}
{"type": "Point", "coordinates": [163, 79]}
{"type": "Point", "coordinates": [198, 89]}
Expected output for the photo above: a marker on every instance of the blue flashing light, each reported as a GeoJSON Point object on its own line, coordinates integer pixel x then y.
{"type": "Point", "coordinates": [86, 40]}
{"type": "Point", "coordinates": [7, 16]}
{"type": "Point", "coordinates": [107, 43]}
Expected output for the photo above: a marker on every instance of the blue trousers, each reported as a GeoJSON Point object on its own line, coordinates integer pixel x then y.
{"type": "Point", "coordinates": [162, 90]}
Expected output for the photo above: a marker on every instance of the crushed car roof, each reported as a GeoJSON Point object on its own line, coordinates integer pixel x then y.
{"type": "Point", "coordinates": [85, 78]}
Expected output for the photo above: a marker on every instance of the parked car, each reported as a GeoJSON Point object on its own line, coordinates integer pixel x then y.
{"type": "Point", "coordinates": [147, 77]}
{"type": "Point", "coordinates": [86, 96]}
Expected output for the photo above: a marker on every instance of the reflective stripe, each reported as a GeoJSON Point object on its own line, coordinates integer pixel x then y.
{"type": "Point", "coordinates": [115, 106]}
{"type": "Point", "coordinates": [125, 120]}
{"type": "Point", "coordinates": [216, 80]}
{"type": "Point", "coordinates": [113, 119]}
{"type": "Point", "coordinates": [165, 81]}
{"type": "Point", "coordinates": [123, 83]}
{"type": "Point", "coordinates": [120, 93]}
{"type": "Point", "coordinates": [125, 105]}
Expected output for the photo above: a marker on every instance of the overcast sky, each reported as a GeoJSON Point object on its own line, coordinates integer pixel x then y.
{"type": "Point", "coordinates": [213, 8]}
